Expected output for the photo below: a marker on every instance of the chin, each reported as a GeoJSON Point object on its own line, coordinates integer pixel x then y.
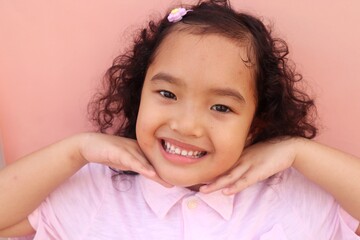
{"type": "Point", "coordinates": [177, 182]}
{"type": "Point", "coordinates": [186, 182]}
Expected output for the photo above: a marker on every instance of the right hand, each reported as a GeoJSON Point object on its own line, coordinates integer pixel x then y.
{"type": "Point", "coordinates": [119, 153]}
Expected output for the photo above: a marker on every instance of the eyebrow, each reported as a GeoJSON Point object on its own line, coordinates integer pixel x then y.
{"type": "Point", "coordinates": [226, 92]}
{"type": "Point", "coordinates": [161, 76]}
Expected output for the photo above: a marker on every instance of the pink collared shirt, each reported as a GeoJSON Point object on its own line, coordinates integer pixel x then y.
{"type": "Point", "coordinates": [94, 204]}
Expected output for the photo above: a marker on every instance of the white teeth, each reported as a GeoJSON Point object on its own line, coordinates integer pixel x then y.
{"type": "Point", "coordinates": [176, 150]}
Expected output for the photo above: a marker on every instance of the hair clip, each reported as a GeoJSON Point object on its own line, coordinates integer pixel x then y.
{"type": "Point", "coordinates": [177, 14]}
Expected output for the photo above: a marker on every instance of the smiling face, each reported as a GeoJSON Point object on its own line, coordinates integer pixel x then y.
{"type": "Point", "coordinates": [196, 108]}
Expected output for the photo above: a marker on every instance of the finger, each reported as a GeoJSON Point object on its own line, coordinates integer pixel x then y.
{"type": "Point", "coordinates": [225, 180]}
{"type": "Point", "coordinates": [128, 161]}
{"type": "Point", "coordinates": [247, 179]}
{"type": "Point", "coordinates": [140, 157]}
{"type": "Point", "coordinates": [141, 167]}
{"type": "Point", "coordinates": [150, 172]}
{"type": "Point", "coordinates": [145, 169]}
{"type": "Point", "coordinates": [154, 177]}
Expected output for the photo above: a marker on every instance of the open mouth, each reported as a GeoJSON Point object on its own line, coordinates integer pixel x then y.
{"type": "Point", "coordinates": [176, 150]}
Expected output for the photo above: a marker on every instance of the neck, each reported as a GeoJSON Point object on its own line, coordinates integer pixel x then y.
{"type": "Point", "coordinates": [195, 188]}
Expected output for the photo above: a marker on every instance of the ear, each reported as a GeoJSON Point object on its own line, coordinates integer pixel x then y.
{"type": "Point", "coordinates": [248, 140]}
{"type": "Point", "coordinates": [256, 128]}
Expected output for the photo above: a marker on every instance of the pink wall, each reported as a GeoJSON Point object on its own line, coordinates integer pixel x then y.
{"type": "Point", "coordinates": [52, 54]}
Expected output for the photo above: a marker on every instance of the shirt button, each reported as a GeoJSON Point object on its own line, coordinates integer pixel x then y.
{"type": "Point", "coordinates": [192, 203]}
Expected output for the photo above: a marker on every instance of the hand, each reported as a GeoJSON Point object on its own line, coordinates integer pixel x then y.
{"type": "Point", "coordinates": [117, 152]}
{"type": "Point", "coordinates": [256, 163]}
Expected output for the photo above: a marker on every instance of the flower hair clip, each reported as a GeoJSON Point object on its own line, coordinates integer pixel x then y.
{"type": "Point", "coordinates": [177, 14]}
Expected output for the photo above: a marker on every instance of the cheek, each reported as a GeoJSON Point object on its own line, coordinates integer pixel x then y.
{"type": "Point", "coordinates": [148, 120]}
{"type": "Point", "coordinates": [230, 149]}
{"type": "Point", "coordinates": [144, 132]}
{"type": "Point", "coordinates": [231, 132]}
{"type": "Point", "coordinates": [147, 117]}
{"type": "Point", "coordinates": [141, 122]}
{"type": "Point", "coordinates": [230, 141]}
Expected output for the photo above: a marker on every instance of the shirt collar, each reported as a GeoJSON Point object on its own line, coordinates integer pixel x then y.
{"type": "Point", "coordinates": [162, 199]}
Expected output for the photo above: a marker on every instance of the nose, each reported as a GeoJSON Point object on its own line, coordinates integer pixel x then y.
{"type": "Point", "coordinates": [188, 121]}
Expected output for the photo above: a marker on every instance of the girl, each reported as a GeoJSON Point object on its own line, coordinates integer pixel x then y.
{"type": "Point", "coordinates": [196, 89]}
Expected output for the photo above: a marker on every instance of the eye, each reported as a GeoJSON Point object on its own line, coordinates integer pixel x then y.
{"type": "Point", "coordinates": [167, 94]}
{"type": "Point", "coordinates": [221, 108]}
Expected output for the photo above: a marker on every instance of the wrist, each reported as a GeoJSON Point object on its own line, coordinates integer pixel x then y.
{"type": "Point", "coordinates": [299, 144]}
{"type": "Point", "coordinates": [76, 145]}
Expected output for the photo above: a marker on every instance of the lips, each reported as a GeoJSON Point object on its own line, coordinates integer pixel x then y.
{"type": "Point", "coordinates": [174, 149]}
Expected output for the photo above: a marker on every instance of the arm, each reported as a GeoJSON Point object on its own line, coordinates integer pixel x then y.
{"type": "Point", "coordinates": [28, 181]}
{"type": "Point", "coordinates": [335, 171]}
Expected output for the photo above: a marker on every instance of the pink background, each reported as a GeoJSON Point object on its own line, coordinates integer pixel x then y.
{"type": "Point", "coordinates": [53, 53]}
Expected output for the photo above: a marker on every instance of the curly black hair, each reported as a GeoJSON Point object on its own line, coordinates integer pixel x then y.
{"type": "Point", "coordinates": [283, 109]}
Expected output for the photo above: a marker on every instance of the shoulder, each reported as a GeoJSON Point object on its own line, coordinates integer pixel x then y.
{"type": "Point", "coordinates": [89, 180]}
{"type": "Point", "coordinates": [301, 193]}
{"type": "Point", "coordinates": [292, 181]}
{"type": "Point", "coordinates": [72, 206]}
{"type": "Point", "coordinates": [86, 188]}
{"type": "Point", "coordinates": [292, 203]}
{"type": "Point", "coordinates": [314, 206]}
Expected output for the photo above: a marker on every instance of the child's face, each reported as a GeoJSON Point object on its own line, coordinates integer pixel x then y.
{"type": "Point", "coordinates": [197, 105]}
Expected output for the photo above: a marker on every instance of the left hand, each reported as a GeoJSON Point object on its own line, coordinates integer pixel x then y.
{"type": "Point", "coordinates": [255, 164]}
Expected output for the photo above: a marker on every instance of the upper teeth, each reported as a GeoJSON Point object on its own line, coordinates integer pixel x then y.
{"type": "Point", "coordinates": [176, 150]}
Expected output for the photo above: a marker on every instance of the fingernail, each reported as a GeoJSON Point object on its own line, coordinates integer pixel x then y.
{"type": "Point", "coordinates": [226, 191]}
{"type": "Point", "coordinates": [148, 168]}
{"type": "Point", "coordinates": [168, 185]}
{"type": "Point", "coordinates": [148, 172]}
{"type": "Point", "coordinates": [151, 172]}
{"type": "Point", "coordinates": [204, 188]}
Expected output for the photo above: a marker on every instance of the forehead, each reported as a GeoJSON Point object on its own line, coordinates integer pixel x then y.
{"type": "Point", "coordinates": [185, 39]}
{"type": "Point", "coordinates": [211, 58]}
